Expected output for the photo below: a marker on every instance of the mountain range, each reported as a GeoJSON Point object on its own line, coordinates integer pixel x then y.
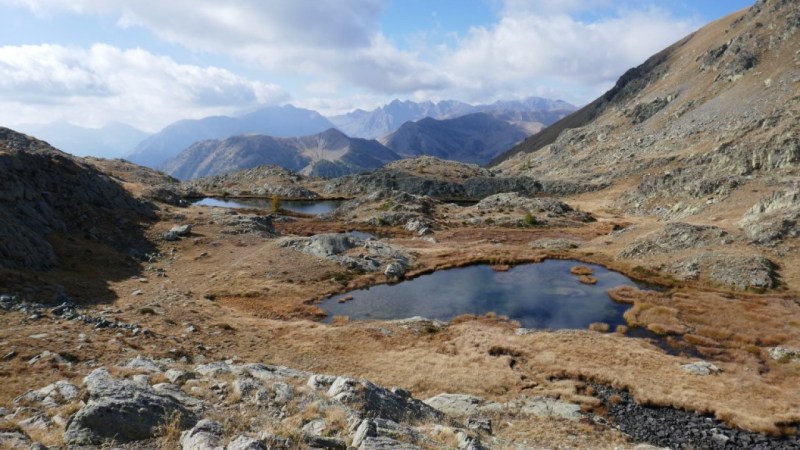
{"type": "Point", "coordinates": [329, 154]}
{"type": "Point", "coordinates": [386, 119]}
{"type": "Point", "coordinates": [280, 121]}
{"type": "Point", "coordinates": [473, 138]}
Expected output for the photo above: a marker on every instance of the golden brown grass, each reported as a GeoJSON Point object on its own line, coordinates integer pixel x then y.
{"type": "Point", "coordinates": [581, 270]}
{"type": "Point", "coordinates": [586, 279]}
{"type": "Point", "coordinates": [600, 327]}
{"type": "Point", "coordinates": [170, 432]}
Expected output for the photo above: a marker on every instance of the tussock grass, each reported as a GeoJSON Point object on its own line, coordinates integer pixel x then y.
{"type": "Point", "coordinates": [581, 270]}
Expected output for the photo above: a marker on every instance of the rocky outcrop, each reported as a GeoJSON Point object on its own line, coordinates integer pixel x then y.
{"type": "Point", "coordinates": [263, 181]}
{"type": "Point", "coordinates": [44, 191]}
{"type": "Point", "coordinates": [238, 406]}
{"type": "Point", "coordinates": [434, 178]}
{"type": "Point", "coordinates": [124, 411]}
{"type": "Point", "coordinates": [390, 208]}
{"type": "Point", "coordinates": [732, 271]}
{"type": "Point", "coordinates": [773, 219]}
{"type": "Point", "coordinates": [354, 253]}
{"type": "Point", "coordinates": [518, 210]}
{"type": "Point", "coordinates": [673, 428]}
{"type": "Point", "coordinates": [676, 237]}
{"type": "Point", "coordinates": [231, 222]}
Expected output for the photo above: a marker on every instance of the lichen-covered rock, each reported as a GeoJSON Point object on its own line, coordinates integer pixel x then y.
{"type": "Point", "coordinates": [379, 402]}
{"type": "Point", "coordinates": [123, 411]}
{"type": "Point", "coordinates": [701, 368]}
{"type": "Point", "coordinates": [675, 237]}
{"type": "Point", "coordinates": [773, 219]}
{"type": "Point", "coordinates": [455, 404]}
{"type": "Point", "coordinates": [205, 435]}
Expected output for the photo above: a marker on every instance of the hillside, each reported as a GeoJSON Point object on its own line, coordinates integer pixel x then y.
{"type": "Point", "coordinates": [474, 138]}
{"type": "Point", "coordinates": [326, 154]}
{"type": "Point", "coordinates": [284, 121]}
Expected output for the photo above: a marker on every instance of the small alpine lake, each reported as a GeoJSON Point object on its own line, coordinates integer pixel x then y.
{"type": "Point", "coordinates": [312, 207]}
{"type": "Point", "coordinates": [542, 295]}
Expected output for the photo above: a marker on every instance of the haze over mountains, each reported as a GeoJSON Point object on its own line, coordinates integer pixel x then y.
{"type": "Point", "coordinates": [279, 121]}
{"type": "Point", "coordinates": [330, 153]}
{"type": "Point", "coordinates": [111, 141]}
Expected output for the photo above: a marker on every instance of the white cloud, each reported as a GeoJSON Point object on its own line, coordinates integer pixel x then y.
{"type": "Point", "coordinates": [534, 49]}
{"type": "Point", "coordinates": [93, 86]}
{"type": "Point", "coordinates": [534, 46]}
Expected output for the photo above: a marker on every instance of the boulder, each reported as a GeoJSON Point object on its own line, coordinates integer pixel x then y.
{"type": "Point", "coordinates": [701, 368]}
{"type": "Point", "coordinates": [181, 230]}
{"type": "Point", "coordinates": [455, 404]}
{"type": "Point", "coordinates": [379, 402]}
{"type": "Point", "coordinates": [246, 443]}
{"type": "Point", "coordinates": [123, 411]}
{"type": "Point", "coordinates": [784, 354]}
{"type": "Point", "coordinates": [394, 271]}
{"type": "Point", "coordinates": [205, 435]}
{"type": "Point", "coordinates": [548, 407]}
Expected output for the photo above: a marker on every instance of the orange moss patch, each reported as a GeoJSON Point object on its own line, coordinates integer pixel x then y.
{"type": "Point", "coordinates": [581, 270]}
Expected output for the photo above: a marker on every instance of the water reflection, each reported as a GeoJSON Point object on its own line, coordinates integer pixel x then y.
{"type": "Point", "coordinates": [543, 295]}
{"type": "Point", "coordinates": [313, 207]}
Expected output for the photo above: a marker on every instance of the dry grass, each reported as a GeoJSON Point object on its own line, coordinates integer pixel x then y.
{"type": "Point", "coordinates": [581, 270]}
{"type": "Point", "coordinates": [586, 279]}
{"type": "Point", "coordinates": [600, 327]}
{"type": "Point", "coordinates": [170, 432]}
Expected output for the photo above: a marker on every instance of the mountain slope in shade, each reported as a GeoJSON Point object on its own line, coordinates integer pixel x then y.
{"type": "Point", "coordinates": [110, 141]}
{"type": "Point", "coordinates": [473, 138]}
{"type": "Point", "coordinates": [329, 153]}
{"type": "Point", "coordinates": [281, 121]}
{"type": "Point", "coordinates": [683, 134]}
{"type": "Point", "coordinates": [388, 118]}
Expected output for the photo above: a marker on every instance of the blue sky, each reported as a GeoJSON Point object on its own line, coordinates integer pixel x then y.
{"type": "Point", "coordinates": [149, 63]}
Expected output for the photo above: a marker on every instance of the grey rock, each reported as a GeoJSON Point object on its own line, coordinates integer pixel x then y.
{"type": "Point", "coordinates": [382, 428]}
{"type": "Point", "coordinates": [674, 237]}
{"type": "Point", "coordinates": [284, 393]}
{"type": "Point", "coordinates": [321, 442]}
{"type": "Point", "coordinates": [142, 364]}
{"type": "Point", "coordinates": [548, 407]}
{"type": "Point", "coordinates": [246, 443]}
{"type": "Point", "coordinates": [178, 376]}
{"type": "Point", "coordinates": [14, 439]}
{"type": "Point", "coordinates": [181, 230]}
{"type": "Point", "coordinates": [205, 435]}
{"type": "Point", "coordinates": [123, 411]}
{"type": "Point", "coordinates": [319, 382]}
{"type": "Point", "coordinates": [773, 219]}
{"type": "Point", "coordinates": [244, 387]}
{"type": "Point", "coordinates": [386, 443]}
{"type": "Point", "coordinates": [784, 353]}
{"type": "Point", "coordinates": [395, 271]}
{"type": "Point", "coordinates": [316, 427]}
{"type": "Point", "coordinates": [379, 402]}
{"type": "Point", "coordinates": [170, 236]}
{"type": "Point", "coordinates": [701, 368]}
{"type": "Point", "coordinates": [455, 404]}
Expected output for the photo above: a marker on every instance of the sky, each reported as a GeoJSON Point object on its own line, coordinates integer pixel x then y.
{"type": "Point", "coordinates": [148, 63]}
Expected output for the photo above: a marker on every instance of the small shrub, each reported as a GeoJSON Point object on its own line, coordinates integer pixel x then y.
{"type": "Point", "coordinates": [529, 220]}
{"type": "Point", "coordinates": [600, 327]}
{"type": "Point", "coordinates": [276, 203]}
